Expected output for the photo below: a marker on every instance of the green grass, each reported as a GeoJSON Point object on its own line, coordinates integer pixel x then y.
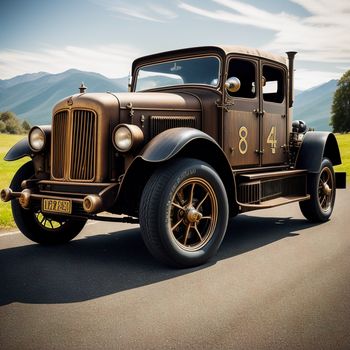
{"type": "Point", "coordinates": [344, 145]}
{"type": "Point", "coordinates": [8, 169]}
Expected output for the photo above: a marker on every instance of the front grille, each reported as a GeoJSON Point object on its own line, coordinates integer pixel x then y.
{"type": "Point", "coordinates": [83, 146]}
{"type": "Point", "coordinates": [162, 123]}
{"type": "Point", "coordinates": [74, 145]}
{"type": "Point", "coordinates": [59, 143]}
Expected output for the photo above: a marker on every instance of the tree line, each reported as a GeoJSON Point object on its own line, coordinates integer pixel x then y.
{"type": "Point", "coordinates": [340, 120]}
{"type": "Point", "coordinates": [10, 124]}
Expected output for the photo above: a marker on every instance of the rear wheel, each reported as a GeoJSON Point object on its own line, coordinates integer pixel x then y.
{"type": "Point", "coordinates": [321, 188]}
{"type": "Point", "coordinates": [36, 225]}
{"type": "Point", "coordinates": [184, 213]}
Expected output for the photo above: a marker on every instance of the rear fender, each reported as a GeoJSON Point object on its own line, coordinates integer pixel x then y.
{"type": "Point", "coordinates": [315, 146]}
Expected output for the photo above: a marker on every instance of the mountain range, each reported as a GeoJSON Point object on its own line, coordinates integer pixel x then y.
{"type": "Point", "coordinates": [32, 96]}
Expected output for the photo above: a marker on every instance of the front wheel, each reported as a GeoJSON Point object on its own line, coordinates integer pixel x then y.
{"type": "Point", "coordinates": [36, 225]}
{"type": "Point", "coordinates": [184, 213]}
{"type": "Point", "coordinates": [321, 188]}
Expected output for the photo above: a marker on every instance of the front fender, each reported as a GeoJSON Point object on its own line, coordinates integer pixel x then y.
{"type": "Point", "coordinates": [315, 146]}
{"type": "Point", "coordinates": [168, 143]}
{"type": "Point", "coordinates": [173, 143]}
{"type": "Point", "coordinates": [19, 150]}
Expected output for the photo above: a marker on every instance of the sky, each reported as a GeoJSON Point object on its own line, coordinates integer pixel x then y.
{"type": "Point", "coordinates": [105, 36]}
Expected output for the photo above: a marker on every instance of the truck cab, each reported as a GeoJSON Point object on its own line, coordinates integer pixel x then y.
{"type": "Point", "coordinates": [202, 135]}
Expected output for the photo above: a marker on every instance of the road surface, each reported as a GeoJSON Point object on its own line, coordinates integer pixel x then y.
{"type": "Point", "coordinates": [278, 282]}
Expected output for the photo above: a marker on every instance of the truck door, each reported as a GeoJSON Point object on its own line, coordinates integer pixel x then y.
{"type": "Point", "coordinates": [273, 118]}
{"type": "Point", "coordinates": [240, 122]}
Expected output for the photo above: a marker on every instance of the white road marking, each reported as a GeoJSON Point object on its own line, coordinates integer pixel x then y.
{"type": "Point", "coordinates": [9, 233]}
{"type": "Point", "coordinates": [16, 232]}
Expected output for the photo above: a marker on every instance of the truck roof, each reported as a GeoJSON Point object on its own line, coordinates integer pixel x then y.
{"type": "Point", "coordinates": [223, 50]}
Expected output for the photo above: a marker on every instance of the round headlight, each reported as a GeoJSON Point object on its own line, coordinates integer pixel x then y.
{"type": "Point", "coordinates": [36, 139]}
{"type": "Point", "coordinates": [122, 139]}
{"type": "Point", "coordinates": [127, 136]}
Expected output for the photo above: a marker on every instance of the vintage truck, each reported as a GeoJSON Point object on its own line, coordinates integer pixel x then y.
{"type": "Point", "coordinates": [202, 135]}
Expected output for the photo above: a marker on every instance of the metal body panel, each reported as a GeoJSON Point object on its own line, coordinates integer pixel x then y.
{"type": "Point", "coordinates": [315, 146]}
{"type": "Point", "coordinates": [167, 144]}
{"type": "Point", "coordinates": [274, 122]}
{"type": "Point", "coordinates": [274, 151]}
{"type": "Point", "coordinates": [241, 135]}
{"type": "Point", "coordinates": [19, 150]}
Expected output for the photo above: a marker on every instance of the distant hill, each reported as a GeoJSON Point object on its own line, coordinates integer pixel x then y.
{"type": "Point", "coordinates": [32, 96]}
{"type": "Point", "coordinates": [314, 105]}
{"type": "Point", "coordinates": [4, 84]}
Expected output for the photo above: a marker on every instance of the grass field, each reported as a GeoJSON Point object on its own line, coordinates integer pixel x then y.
{"type": "Point", "coordinates": [8, 169]}
{"type": "Point", "coordinates": [344, 145]}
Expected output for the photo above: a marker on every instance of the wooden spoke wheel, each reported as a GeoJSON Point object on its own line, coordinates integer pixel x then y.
{"type": "Point", "coordinates": [184, 213]}
{"type": "Point", "coordinates": [321, 188]}
{"type": "Point", "coordinates": [37, 226]}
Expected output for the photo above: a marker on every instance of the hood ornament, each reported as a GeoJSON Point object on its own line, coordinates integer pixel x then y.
{"type": "Point", "coordinates": [82, 88]}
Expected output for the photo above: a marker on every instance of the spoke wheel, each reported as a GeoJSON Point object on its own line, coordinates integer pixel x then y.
{"type": "Point", "coordinates": [322, 189]}
{"type": "Point", "coordinates": [184, 213]}
{"type": "Point", "coordinates": [49, 223]}
{"type": "Point", "coordinates": [325, 189]}
{"type": "Point", "coordinates": [193, 214]}
{"type": "Point", "coordinates": [37, 226]}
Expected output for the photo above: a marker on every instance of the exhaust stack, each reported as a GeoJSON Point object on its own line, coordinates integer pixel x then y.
{"type": "Point", "coordinates": [291, 56]}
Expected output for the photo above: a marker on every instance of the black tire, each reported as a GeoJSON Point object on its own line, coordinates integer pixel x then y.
{"type": "Point", "coordinates": [184, 213]}
{"type": "Point", "coordinates": [39, 227]}
{"type": "Point", "coordinates": [321, 188]}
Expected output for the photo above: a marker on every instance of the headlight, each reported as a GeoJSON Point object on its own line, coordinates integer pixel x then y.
{"type": "Point", "coordinates": [36, 139]}
{"type": "Point", "coordinates": [127, 136]}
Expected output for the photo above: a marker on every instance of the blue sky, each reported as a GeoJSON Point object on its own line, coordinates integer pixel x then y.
{"type": "Point", "coordinates": [105, 36]}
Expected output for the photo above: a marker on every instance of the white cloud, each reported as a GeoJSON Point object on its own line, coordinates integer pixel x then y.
{"type": "Point", "coordinates": [321, 36]}
{"type": "Point", "coordinates": [150, 11]}
{"type": "Point", "coordinates": [306, 79]}
{"type": "Point", "coordinates": [109, 60]}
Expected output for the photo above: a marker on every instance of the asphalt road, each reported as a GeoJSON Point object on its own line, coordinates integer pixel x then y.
{"type": "Point", "coordinates": [278, 282]}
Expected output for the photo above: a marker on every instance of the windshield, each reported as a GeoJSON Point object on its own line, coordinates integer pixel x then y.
{"type": "Point", "coordinates": [199, 70]}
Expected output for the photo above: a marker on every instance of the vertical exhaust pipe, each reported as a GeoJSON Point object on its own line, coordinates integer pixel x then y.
{"type": "Point", "coordinates": [291, 56]}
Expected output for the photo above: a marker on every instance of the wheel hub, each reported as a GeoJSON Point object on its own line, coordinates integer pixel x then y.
{"type": "Point", "coordinates": [193, 215]}
{"type": "Point", "coordinates": [326, 189]}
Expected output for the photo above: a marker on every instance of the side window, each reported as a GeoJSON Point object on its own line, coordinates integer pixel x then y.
{"type": "Point", "coordinates": [273, 84]}
{"type": "Point", "coordinates": [245, 72]}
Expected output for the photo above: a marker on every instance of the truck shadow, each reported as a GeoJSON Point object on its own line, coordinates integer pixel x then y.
{"type": "Point", "coordinates": [105, 264]}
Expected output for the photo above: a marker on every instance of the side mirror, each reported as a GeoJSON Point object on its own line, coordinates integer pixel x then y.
{"type": "Point", "coordinates": [232, 84]}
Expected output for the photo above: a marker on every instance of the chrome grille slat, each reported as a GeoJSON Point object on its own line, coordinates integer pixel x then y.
{"type": "Point", "coordinates": [80, 163]}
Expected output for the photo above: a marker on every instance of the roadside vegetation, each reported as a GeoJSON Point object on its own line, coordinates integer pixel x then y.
{"type": "Point", "coordinates": [8, 169]}
{"type": "Point", "coordinates": [340, 119]}
{"type": "Point", "coordinates": [10, 124]}
{"type": "Point", "coordinates": [344, 145]}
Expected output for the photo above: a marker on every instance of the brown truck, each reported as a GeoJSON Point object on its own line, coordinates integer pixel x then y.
{"type": "Point", "coordinates": [203, 135]}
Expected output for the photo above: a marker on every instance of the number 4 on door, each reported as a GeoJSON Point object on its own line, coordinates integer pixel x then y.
{"type": "Point", "coordinates": [272, 139]}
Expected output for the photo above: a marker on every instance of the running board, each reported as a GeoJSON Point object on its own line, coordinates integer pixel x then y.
{"type": "Point", "coordinates": [271, 189]}
{"type": "Point", "coordinates": [272, 175]}
{"type": "Point", "coordinates": [274, 202]}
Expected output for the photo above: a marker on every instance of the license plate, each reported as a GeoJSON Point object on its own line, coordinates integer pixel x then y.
{"type": "Point", "coordinates": [56, 206]}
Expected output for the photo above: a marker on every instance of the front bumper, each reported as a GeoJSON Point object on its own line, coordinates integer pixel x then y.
{"type": "Point", "coordinates": [84, 198]}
